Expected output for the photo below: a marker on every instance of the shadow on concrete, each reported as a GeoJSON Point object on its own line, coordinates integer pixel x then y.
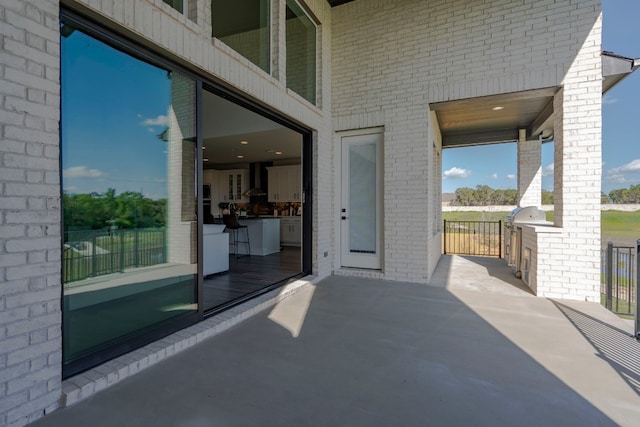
{"type": "Point", "coordinates": [613, 345]}
{"type": "Point", "coordinates": [367, 353]}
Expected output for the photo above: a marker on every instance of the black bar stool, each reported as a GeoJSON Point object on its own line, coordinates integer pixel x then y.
{"type": "Point", "coordinates": [231, 223]}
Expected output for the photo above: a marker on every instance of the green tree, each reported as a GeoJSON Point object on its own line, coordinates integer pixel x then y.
{"type": "Point", "coordinates": [464, 197]}
{"type": "Point", "coordinates": [127, 210]}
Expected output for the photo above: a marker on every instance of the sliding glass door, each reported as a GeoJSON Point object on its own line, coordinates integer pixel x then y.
{"type": "Point", "coordinates": [128, 151]}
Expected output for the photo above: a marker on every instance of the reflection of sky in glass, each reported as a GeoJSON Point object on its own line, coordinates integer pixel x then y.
{"type": "Point", "coordinates": [114, 108]}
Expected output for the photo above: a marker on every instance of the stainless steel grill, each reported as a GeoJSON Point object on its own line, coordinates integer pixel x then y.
{"type": "Point", "coordinates": [513, 234]}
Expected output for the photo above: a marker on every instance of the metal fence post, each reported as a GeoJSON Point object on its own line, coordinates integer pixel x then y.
{"type": "Point", "coordinates": [609, 277]}
{"type": "Point", "coordinates": [94, 259]}
{"type": "Point", "coordinates": [121, 250]}
{"type": "Point", "coordinates": [637, 311]}
{"type": "Point", "coordinates": [445, 236]}
{"type": "Point", "coordinates": [500, 239]}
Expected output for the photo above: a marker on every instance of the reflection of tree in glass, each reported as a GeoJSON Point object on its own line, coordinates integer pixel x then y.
{"type": "Point", "coordinates": [129, 209]}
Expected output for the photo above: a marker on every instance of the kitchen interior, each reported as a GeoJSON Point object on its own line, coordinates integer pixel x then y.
{"type": "Point", "coordinates": [252, 202]}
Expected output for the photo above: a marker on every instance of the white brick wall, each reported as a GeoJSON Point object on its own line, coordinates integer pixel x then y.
{"type": "Point", "coordinates": [577, 174]}
{"type": "Point", "coordinates": [529, 171]}
{"type": "Point", "coordinates": [391, 58]}
{"type": "Point", "coordinates": [30, 328]}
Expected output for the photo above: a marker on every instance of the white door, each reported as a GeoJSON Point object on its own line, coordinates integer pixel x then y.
{"type": "Point", "coordinates": [361, 210]}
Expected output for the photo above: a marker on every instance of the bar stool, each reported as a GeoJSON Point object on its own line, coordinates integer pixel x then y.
{"type": "Point", "coordinates": [231, 223]}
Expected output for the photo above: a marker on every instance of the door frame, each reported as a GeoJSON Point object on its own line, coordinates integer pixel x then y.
{"type": "Point", "coordinates": [361, 261]}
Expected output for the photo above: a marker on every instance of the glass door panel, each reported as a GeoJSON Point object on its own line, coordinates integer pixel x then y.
{"type": "Point", "coordinates": [129, 197]}
{"type": "Point", "coordinates": [361, 201]}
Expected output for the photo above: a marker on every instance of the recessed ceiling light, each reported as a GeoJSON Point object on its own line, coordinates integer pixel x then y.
{"type": "Point", "coordinates": [240, 156]}
{"type": "Point", "coordinates": [498, 108]}
{"type": "Point", "coordinates": [204, 148]}
{"type": "Point", "coordinates": [269, 151]}
{"type": "Point", "coordinates": [244, 142]}
{"type": "Point", "coordinates": [205, 160]}
{"type": "Point", "coordinates": [278, 152]}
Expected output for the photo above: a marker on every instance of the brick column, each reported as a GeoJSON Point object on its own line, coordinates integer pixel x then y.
{"type": "Point", "coordinates": [529, 171]}
{"type": "Point", "coordinates": [577, 172]}
{"type": "Point", "coordinates": [30, 240]}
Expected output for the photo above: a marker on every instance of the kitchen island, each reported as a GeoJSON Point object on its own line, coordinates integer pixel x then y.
{"type": "Point", "coordinates": [264, 235]}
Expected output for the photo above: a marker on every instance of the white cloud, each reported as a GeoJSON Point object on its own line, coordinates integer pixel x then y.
{"type": "Point", "coordinates": [81, 172]}
{"type": "Point", "coordinates": [457, 173]}
{"type": "Point", "coordinates": [511, 176]}
{"type": "Point", "coordinates": [631, 167]}
{"type": "Point", "coordinates": [608, 100]}
{"type": "Point", "coordinates": [161, 120]}
{"type": "Point", "coordinates": [617, 178]}
{"type": "Point", "coordinates": [548, 170]}
{"type": "Point", "coordinates": [494, 176]}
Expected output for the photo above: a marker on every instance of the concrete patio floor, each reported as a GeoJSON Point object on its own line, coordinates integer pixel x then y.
{"type": "Point", "coordinates": [473, 348]}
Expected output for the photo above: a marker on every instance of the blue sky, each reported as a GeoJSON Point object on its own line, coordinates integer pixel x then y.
{"type": "Point", "coordinates": [468, 167]}
{"type": "Point", "coordinates": [110, 129]}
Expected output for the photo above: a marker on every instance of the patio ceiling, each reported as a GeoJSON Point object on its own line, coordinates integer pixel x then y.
{"type": "Point", "coordinates": [495, 118]}
{"type": "Point", "coordinates": [498, 118]}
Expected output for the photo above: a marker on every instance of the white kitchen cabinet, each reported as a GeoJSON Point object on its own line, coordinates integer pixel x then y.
{"type": "Point", "coordinates": [274, 190]}
{"type": "Point", "coordinates": [232, 184]}
{"type": "Point", "coordinates": [285, 184]}
{"type": "Point", "coordinates": [293, 183]}
{"type": "Point", "coordinates": [291, 231]}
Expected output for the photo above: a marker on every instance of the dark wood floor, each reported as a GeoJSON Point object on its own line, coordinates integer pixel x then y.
{"type": "Point", "coordinates": [250, 274]}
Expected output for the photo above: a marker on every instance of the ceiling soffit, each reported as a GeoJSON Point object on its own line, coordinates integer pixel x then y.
{"type": "Point", "coordinates": [495, 118]}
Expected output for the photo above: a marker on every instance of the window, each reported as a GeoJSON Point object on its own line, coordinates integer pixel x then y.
{"type": "Point", "coordinates": [176, 4]}
{"type": "Point", "coordinates": [301, 52]}
{"type": "Point", "coordinates": [186, 7]}
{"type": "Point", "coordinates": [128, 155]}
{"type": "Point", "coordinates": [244, 25]}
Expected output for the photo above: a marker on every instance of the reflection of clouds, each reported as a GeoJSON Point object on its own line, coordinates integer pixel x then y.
{"type": "Point", "coordinates": [160, 120]}
{"type": "Point", "coordinates": [457, 173]}
{"type": "Point", "coordinates": [608, 100]}
{"type": "Point", "coordinates": [81, 172]}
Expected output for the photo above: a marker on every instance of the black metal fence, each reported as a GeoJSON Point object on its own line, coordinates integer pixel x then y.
{"type": "Point", "coordinates": [619, 277]}
{"type": "Point", "coordinates": [90, 253]}
{"type": "Point", "coordinates": [476, 238]}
